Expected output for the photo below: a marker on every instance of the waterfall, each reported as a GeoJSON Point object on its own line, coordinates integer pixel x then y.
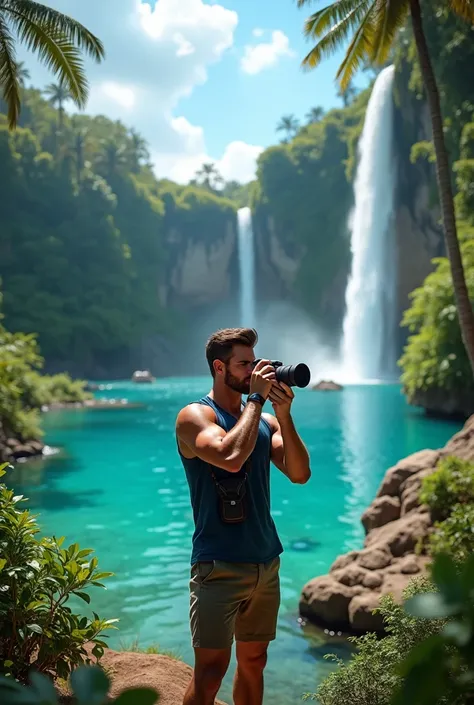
{"type": "Point", "coordinates": [370, 322]}
{"type": "Point", "coordinates": [246, 268]}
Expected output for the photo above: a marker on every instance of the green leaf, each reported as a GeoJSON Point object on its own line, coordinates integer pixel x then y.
{"type": "Point", "coordinates": [84, 596]}
{"type": "Point", "coordinates": [90, 685]}
{"type": "Point", "coordinates": [34, 628]}
{"type": "Point", "coordinates": [7, 664]}
{"type": "Point", "coordinates": [3, 563]}
{"type": "Point", "coordinates": [458, 632]}
{"type": "Point", "coordinates": [137, 696]}
{"type": "Point", "coordinates": [446, 578]}
{"type": "Point", "coordinates": [430, 606]}
{"type": "Point", "coordinates": [44, 687]}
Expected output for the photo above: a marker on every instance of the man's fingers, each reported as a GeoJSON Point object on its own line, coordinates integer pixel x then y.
{"type": "Point", "coordinates": [288, 390]}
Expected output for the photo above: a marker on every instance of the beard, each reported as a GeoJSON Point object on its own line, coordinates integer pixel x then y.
{"type": "Point", "coordinates": [237, 385]}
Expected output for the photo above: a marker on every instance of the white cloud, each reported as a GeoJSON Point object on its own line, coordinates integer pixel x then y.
{"type": "Point", "coordinates": [257, 32]}
{"type": "Point", "coordinates": [156, 54]}
{"type": "Point", "coordinates": [123, 95]}
{"type": "Point", "coordinates": [259, 57]}
{"type": "Point", "coordinates": [239, 161]}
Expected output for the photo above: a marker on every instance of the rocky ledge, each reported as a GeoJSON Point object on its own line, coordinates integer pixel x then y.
{"type": "Point", "coordinates": [13, 450]}
{"type": "Point", "coordinates": [394, 523]}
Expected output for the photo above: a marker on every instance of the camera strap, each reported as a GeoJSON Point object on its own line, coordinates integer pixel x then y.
{"type": "Point", "coordinates": [231, 493]}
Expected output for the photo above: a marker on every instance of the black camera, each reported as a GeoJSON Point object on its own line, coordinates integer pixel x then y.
{"type": "Point", "coordinates": [292, 375]}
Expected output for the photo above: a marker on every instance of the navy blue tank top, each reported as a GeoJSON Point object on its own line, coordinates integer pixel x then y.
{"type": "Point", "coordinates": [255, 540]}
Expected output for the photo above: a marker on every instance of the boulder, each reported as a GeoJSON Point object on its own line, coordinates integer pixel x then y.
{"type": "Point", "coordinates": [375, 558]}
{"type": "Point", "coordinates": [327, 600]}
{"type": "Point", "coordinates": [406, 467]}
{"type": "Point", "coordinates": [380, 512]}
{"type": "Point", "coordinates": [343, 561]}
{"type": "Point", "coordinates": [462, 444]}
{"type": "Point", "coordinates": [400, 536]}
{"type": "Point", "coordinates": [361, 613]}
{"type": "Point", "coordinates": [327, 386]}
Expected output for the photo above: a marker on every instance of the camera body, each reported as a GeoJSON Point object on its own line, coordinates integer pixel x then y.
{"type": "Point", "coordinates": [291, 375]}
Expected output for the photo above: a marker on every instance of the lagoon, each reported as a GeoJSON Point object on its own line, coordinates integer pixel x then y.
{"type": "Point", "coordinates": [118, 487]}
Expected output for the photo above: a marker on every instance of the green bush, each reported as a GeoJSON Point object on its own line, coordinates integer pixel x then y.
{"type": "Point", "coordinates": [455, 535]}
{"type": "Point", "coordinates": [452, 483]}
{"type": "Point", "coordinates": [440, 668]}
{"type": "Point", "coordinates": [371, 677]}
{"type": "Point", "coordinates": [89, 685]}
{"type": "Point", "coordinates": [38, 629]}
{"type": "Point", "coordinates": [50, 389]}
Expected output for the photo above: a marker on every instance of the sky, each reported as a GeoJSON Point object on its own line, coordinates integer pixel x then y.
{"type": "Point", "coordinates": [201, 81]}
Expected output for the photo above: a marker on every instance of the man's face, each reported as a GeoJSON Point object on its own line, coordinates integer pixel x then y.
{"type": "Point", "coordinates": [238, 369]}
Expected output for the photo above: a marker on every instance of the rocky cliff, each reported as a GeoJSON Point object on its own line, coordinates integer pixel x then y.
{"type": "Point", "coordinates": [394, 523]}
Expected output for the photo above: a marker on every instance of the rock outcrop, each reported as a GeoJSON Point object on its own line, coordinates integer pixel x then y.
{"type": "Point", "coordinates": [168, 676]}
{"type": "Point", "coordinates": [394, 524]}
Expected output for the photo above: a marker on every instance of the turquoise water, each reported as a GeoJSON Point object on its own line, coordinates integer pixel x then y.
{"type": "Point", "coordinates": [119, 488]}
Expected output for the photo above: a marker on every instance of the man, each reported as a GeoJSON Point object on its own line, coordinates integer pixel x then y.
{"type": "Point", "coordinates": [226, 446]}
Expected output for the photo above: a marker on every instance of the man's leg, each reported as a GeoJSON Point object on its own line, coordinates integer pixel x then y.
{"type": "Point", "coordinates": [210, 668]}
{"type": "Point", "coordinates": [248, 682]}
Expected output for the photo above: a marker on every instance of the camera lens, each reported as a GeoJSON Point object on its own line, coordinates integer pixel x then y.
{"type": "Point", "coordinates": [294, 375]}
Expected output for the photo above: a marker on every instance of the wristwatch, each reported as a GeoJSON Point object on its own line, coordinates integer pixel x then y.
{"type": "Point", "coordinates": [256, 397]}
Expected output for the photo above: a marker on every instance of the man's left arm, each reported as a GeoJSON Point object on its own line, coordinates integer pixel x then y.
{"type": "Point", "coordinates": [289, 453]}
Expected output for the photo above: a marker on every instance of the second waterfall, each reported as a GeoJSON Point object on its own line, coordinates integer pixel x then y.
{"type": "Point", "coordinates": [246, 268]}
{"type": "Point", "coordinates": [369, 350]}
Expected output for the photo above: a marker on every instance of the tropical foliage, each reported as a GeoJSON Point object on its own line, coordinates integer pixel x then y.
{"type": "Point", "coordinates": [57, 40]}
{"type": "Point", "coordinates": [85, 252]}
{"type": "Point", "coordinates": [38, 629]}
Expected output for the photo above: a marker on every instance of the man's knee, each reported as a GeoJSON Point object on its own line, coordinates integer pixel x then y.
{"type": "Point", "coordinates": [251, 656]}
{"type": "Point", "coordinates": [210, 668]}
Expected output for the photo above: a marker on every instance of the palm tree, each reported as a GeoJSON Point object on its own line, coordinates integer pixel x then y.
{"type": "Point", "coordinates": [79, 143]}
{"type": "Point", "coordinates": [56, 39]}
{"type": "Point", "coordinates": [58, 94]}
{"type": "Point", "coordinates": [374, 25]}
{"type": "Point", "coordinates": [288, 124]}
{"type": "Point", "coordinates": [209, 177]}
{"type": "Point", "coordinates": [138, 150]}
{"type": "Point", "coordinates": [315, 115]}
{"type": "Point", "coordinates": [112, 157]}
{"type": "Point", "coordinates": [22, 73]}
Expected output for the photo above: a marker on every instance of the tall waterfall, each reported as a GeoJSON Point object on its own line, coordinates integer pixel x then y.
{"type": "Point", "coordinates": [370, 323]}
{"type": "Point", "coordinates": [246, 268]}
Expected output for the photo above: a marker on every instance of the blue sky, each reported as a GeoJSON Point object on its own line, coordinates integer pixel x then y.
{"type": "Point", "coordinates": [200, 80]}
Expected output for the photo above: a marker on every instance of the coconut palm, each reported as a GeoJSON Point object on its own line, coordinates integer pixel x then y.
{"type": "Point", "coordinates": [372, 26]}
{"type": "Point", "coordinates": [57, 40]}
{"type": "Point", "coordinates": [138, 150]}
{"type": "Point", "coordinates": [58, 94]}
{"type": "Point", "coordinates": [315, 115]}
{"type": "Point", "coordinates": [112, 157]}
{"type": "Point", "coordinates": [288, 124]}
{"type": "Point", "coordinates": [209, 177]}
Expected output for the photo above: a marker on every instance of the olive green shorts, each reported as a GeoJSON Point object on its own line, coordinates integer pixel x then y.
{"type": "Point", "coordinates": [233, 599]}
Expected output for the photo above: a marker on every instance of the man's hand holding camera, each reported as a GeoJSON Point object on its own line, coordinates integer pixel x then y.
{"type": "Point", "coordinates": [281, 397]}
{"type": "Point", "coordinates": [263, 378]}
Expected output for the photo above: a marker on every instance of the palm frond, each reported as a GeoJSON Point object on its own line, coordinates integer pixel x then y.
{"type": "Point", "coordinates": [57, 23]}
{"type": "Point", "coordinates": [334, 13]}
{"type": "Point", "coordinates": [389, 18]}
{"type": "Point", "coordinates": [56, 52]}
{"type": "Point", "coordinates": [464, 8]}
{"type": "Point", "coordinates": [336, 35]}
{"type": "Point", "coordinates": [9, 73]}
{"type": "Point", "coordinates": [359, 49]}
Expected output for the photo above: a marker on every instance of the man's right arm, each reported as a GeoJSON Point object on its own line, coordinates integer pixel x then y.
{"type": "Point", "coordinates": [196, 429]}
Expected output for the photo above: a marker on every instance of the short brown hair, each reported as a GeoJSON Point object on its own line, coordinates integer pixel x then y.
{"type": "Point", "coordinates": [220, 344]}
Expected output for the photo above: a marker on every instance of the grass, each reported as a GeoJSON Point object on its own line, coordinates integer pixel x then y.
{"type": "Point", "coordinates": [135, 647]}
